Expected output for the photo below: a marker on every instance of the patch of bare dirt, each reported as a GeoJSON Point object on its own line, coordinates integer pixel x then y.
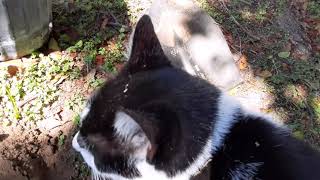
{"type": "Point", "coordinates": [42, 150]}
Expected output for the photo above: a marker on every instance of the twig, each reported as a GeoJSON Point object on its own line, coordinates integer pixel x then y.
{"type": "Point", "coordinates": [126, 28]}
{"type": "Point", "coordinates": [254, 52]}
{"type": "Point", "coordinates": [114, 17]}
{"type": "Point", "coordinates": [246, 2]}
{"type": "Point", "coordinates": [240, 45]}
{"type": "Point", "coordinates": [238, 24]}
{"type": "Point", "coordinates": [234, 48]}
{"type": "Point", "coordinates": [244, 29]}
{"type": "Point", "coordinates": [22, 103]}
{"type": "Point", "coordinates": [275, 67]}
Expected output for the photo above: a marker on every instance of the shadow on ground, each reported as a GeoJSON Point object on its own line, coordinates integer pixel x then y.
{"type": "Point", "coordinates": [279, 43]}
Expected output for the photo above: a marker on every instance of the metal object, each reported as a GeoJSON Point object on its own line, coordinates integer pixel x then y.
{"type": "Point", "coordinates": [24, 26]}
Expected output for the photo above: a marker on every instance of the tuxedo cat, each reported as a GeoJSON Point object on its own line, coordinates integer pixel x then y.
{"type": "Point", "coordinates": [157, 122]}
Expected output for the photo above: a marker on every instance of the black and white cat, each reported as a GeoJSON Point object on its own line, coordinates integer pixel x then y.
{"type": "Point", "coordinates": [156, 122]}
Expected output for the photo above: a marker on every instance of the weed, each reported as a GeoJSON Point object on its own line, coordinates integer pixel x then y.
{"type": "Point", "coordinates": [314, 9]}
{"type": "Point", "coordinates": [75, 74]}
{"type": "Point", "coordinates": [315, 103]}
{"type": "Point", "coordinates": [113, 54]}
{"type": "Point", "coordinates": [272, 54]}
{"type": "Point", "coordinates": [61, 139]}
{"type": "Point", "coordinates": [76, 103]}
{"type": "Point", "coordinates": [84, 170]}
{"type": "Point", "coordinates": [261, 13]}
{"type": "Point", "coordinates": [95, 83]}
{"type": "Point", "coordinates": [76, 120]}
{"type": "Point", "coordinates": [92, 29]}
{"type": "Point", "coordinates": [25, 95]}
{"type": "Point", "coordinates": [16, 112]}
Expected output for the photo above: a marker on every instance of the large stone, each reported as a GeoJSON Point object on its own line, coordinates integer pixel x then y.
{"type": "Point", "coordinates": [193, 41]}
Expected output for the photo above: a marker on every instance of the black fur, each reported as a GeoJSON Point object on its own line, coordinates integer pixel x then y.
{"type": "Point", "coordinates": [175, 102]}
{"type": "Point", "coordinates": [177, 112]}
{"type": "Point", "coordinates": [255, 140]}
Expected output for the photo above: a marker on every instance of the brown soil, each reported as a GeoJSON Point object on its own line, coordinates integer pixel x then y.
{"type": "Point", "coordinates": [31, 150]}
{"type": "Point", "coordinates": [34, 150]}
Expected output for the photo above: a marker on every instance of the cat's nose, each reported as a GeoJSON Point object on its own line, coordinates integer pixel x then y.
{"type": "Point", "coordinates": [75, 143]}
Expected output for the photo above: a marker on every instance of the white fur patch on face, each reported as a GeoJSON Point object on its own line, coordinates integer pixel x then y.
{"type": "Point", "coordinates": [126, 127]}
{"type": "Point", "coordinates": [89, 159]}
{"type": "Point", "coordinates": [227, 108]}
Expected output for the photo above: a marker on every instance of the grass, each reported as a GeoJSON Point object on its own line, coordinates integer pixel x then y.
{"type": "Point", "coordinates": [293, 81]}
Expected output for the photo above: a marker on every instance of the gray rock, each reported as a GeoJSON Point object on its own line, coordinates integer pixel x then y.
{"type": "Point", "coordinates": [193, 41]}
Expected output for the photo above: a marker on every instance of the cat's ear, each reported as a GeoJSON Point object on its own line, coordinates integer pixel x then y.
{"type": "Point", "coordinates": [146, 52]}
{"type": "Point", "coordinates": [137, 132]}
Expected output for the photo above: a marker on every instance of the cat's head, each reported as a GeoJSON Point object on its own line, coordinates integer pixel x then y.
{"type": "Point", "coordinates": [131, 126]}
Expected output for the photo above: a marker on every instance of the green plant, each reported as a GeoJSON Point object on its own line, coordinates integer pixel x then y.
{"type": "Point", "coordinates": [96, 83]}
{"type": "Point", "coordinates": [25, 95]}
{"type": "Point", "coordinates": [61, 139]}
{"type": "Point", "coordinates": [76, 120]}
{"type": "Point", "coordinates": [114, 54]}
{"type": "Point", "coordinates": [76, 103]}
{"type": "Point", "coordinates": [77, 47]}
{"type": "Point", "coordinates": [16, 112]}
{"type": "Point", "coordinates": [261, 13]}
{"type": "Point", "coordinates": [314, 8]}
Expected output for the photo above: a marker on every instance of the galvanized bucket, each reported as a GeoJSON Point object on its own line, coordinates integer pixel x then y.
{"type": "Point", "coordinates": [24, 26]}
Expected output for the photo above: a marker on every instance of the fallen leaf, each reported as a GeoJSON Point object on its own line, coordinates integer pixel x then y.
{"type": "Point", "coordinates": [287, 47]}
{"type": "Point", "coordinates": [285, 67]}
{"type": "Point", "coordinates": [73, 55]}
{"type": "Point", "coordinates": [104, 23]}
{"type": "Point", "coordinates": [243, 62]}
{"type": "Point", "coordinates": [100, 60]}
{"type": "Point", "coordinates": [284, 54]}
{"type": "Point", "coordinates": [12, 70]}
{"type": "Point", "coordinates": [264, 74]}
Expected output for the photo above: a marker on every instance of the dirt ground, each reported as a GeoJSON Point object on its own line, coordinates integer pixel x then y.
{"type": "Point", "coordinates": [42, 150]}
